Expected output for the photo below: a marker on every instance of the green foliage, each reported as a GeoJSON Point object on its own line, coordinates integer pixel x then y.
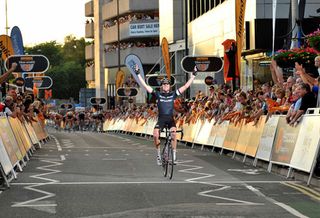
{"type": "Point", "coordinates": [67, 65]}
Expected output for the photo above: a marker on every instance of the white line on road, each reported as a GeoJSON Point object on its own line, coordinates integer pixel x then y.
{"type": "Point", "coordinates": [145, 182]}
{"type": "Point", "coordinates": [114, 159]}
{"type": "Point", "coordinates": [62, 157]}
{"type": "Point", "coordinates": [284, 206]}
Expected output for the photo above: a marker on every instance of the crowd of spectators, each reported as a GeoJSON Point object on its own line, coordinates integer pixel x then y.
{"type": "Point", "coordinates": [125, 45]}
{"type": "Point", "coordinates": [129, 18]}
{"type": "Point", "coordinates": [291, 98]}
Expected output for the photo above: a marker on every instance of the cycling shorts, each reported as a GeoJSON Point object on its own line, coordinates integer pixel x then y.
{"type": "Point", "coordinates": [165, 122]}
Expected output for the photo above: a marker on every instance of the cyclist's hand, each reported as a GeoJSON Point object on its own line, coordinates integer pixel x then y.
{"type": "Point", "coordinates": [136, 69]}
{"type": "Point", "coordinates": [195, 71]}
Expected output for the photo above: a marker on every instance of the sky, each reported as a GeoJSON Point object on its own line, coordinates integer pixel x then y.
{"type": "Point", "coordinates": [44, 20]}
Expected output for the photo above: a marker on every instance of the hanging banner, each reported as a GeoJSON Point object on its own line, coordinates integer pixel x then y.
{"type": "Point", "coordinates": [17, 42]}
{"type": "Point", "coordinates": [6, 47]}
{"type": "Point", "coordinates": [144, 29]}
{"type": "Point", "coordinates": [165, 55]}
{"type": "Point", "coordinates": [131, 61]}
{"type": "Point", "coordinates": [240, 20]}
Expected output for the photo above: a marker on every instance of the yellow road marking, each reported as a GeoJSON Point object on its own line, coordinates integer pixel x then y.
{"type": "Point", "coordinates": [307, 191]}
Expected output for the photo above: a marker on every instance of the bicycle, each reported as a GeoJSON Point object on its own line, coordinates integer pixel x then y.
{"type": "Point", "coordinates": [167, 153]}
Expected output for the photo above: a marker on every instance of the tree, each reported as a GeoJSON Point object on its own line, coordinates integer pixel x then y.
{"type": "Point", "coordinates": [67, 65]}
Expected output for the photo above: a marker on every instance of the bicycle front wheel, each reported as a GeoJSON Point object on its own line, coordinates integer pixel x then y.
{"type": "Point", "coordinates": [164, 159]}
{"type": "Point", "coordinates": [170, 162]}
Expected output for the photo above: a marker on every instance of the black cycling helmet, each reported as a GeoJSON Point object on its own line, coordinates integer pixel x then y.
{"type": "Point", "coordinates": [165, 80]}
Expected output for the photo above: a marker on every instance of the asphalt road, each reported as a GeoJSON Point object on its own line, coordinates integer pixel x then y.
{"type": "Point", "coordinates": [109, 175]}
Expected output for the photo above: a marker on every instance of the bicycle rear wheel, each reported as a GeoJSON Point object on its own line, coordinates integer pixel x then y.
{"type": "Point", "coordinates": [170, 162]}
{"type": "Point", "coordinates": [164, 159]}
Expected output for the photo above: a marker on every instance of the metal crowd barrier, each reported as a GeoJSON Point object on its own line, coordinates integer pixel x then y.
{"type": "Point", "coordinates": [274, 141]}
{"type": "Point", "coordinates": [18, 141]}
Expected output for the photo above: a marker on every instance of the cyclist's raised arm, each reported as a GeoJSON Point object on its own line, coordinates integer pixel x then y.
{"type": "Point", "coordinates": [143, 83]}
{"type": "Point", "coordinates": [187, 85]}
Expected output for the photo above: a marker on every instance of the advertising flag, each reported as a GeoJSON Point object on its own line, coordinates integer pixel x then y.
{"type": "Point", "coordinates": [17, 42]}
{"type": "Point", "coordinates": [6, 47]}
{"type": "Point", "coordinates": [240, 20]}
{"type": "Point", "coordinates": [131, 61]}
{"type": "Point", "coordinates": [165, 55]}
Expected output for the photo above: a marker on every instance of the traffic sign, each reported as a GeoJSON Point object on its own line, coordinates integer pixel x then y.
{"type": "Point", "coordinates": [203, 63]}
{"type": "Point", "coordinates": [28, 63]}
{"type": "Point", "coordinates": [155, 80]}
{"type": "Point", "coordinates": [127, 92]}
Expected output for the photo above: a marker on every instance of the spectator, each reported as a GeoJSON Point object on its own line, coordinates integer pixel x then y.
{"type": "Point", "coordinates": [5, 76]}
{"type": "Point", "coordinates": [308, 100]}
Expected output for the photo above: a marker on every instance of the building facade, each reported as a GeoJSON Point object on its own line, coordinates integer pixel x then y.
{"type": "Point", "coordinates": [210, 22]}
{"type": "Point", "coordinates": [119, 28]}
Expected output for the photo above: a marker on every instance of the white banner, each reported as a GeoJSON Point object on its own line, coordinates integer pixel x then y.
{"type": "Point", "coordinates": [305, 150]}
{"type": "Point", "coordinates": [266, 141]}
{"type": "Point", "coordinates": [144, 29]}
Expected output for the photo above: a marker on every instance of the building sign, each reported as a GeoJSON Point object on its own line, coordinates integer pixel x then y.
{"type": "Point", "coordinates": [144, 29]}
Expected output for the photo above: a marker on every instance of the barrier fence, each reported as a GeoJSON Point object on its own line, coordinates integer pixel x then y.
{"type": "Point", "coordinates": [273, 141]}
{"type": "Point", "coordinates": [17, 142]}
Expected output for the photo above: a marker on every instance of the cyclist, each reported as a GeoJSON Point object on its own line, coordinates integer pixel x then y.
{"type": "Point", "coordinates": [165, 100]}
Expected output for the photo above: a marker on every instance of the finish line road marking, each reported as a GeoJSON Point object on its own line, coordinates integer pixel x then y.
{"type": "Point", "coordinates": [144, 182]}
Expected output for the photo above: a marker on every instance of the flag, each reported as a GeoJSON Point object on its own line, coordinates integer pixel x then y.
{"type": "Point", "coordinates": [35, 90]}
{"type": "Point", "coordinates": [165, 55]}
{"type": "Point", "coordinates": [240, 13]}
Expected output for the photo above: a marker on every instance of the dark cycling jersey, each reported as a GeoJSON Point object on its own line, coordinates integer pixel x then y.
{"type": "Point", "coordinates": [165, 102]}
{"type": "Point", "coordinates": [81, 116]}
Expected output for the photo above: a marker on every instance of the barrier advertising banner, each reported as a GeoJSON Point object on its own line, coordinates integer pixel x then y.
{"type": "Point", "coordinates": [204, 132]}
{"type": "Point", "coordinates": [14, 151]}
{"type": "Point", "coordinates": [220, 134]}
{"type": "Point", "coordinates": [284, 142]}
{"type": "Point", "coordinates": [4, 159]}
{"type": "Point", "coordinates": [255, 136]}
{"type": "Point", "coordinates": [230, 141]}
{"type": "Point", "coordinates": [267, 138]}
{"type": "Point", "coordinates": [305, 150]}
{"type": "Point", "coordinates": [244, 138]}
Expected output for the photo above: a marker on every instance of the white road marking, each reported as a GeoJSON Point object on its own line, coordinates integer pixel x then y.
{"type": "Point", "coordinates": [106, 154]}
{"type": "Point", "coordinates": [247, 171]}
{"type": "Point", "coordinates": [284, 206]}
{"type": "Point", "coordinates": [62, 157]}
{"type": "Point", "coordinates": [238, 202]}
{"type": "Point", "coordinates": [114, 159]}
{"type": "Point", "coordinates": [46, 206]}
